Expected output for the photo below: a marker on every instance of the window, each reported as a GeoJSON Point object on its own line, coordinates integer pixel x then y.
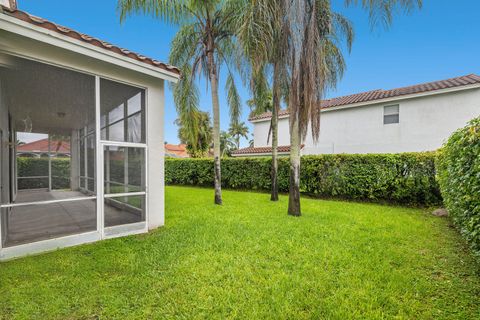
{"type": "Point", "coordinates": [391, 114]}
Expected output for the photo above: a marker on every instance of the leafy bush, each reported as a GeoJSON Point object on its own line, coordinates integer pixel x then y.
{"type": "Point", "coordinates": [407, 178]}
{"type": "Point", "coordinates": [459, 177]}
{"type": "Point", "coordinates": [34, 167]}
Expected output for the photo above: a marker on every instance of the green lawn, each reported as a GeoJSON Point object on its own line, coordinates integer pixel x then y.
{"type": "Point", "coordinates": [248, 259]}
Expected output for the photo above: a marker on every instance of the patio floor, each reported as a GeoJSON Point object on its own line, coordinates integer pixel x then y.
{"type": "Point", "coordinates": [40, 222]}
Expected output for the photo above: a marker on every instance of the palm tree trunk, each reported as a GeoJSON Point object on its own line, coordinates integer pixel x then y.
{"type": "Point", "coordinates": [216, 124]}
{"type": "Point", "coordinates": [276, 108]}
{"type": "Point", "coordinates": [294, 188]}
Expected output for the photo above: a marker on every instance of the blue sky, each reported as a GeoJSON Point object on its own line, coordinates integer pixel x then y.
{"type": "Point", "coordinates": [440, 41]}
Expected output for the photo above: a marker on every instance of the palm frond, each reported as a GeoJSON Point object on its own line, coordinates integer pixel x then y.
{"type": "Point", "coordinates": [233, 98]}
{"type": "Point", "coordinates": [171, 11]}
{"type": "Point", "coordinates": [185, 45]}
{"type": "Point", "coordinates": [381, 12]}
{"type": "Point", "coordinates": [186, 97]}
{"type": "Point", "coordinates": [342, 29]}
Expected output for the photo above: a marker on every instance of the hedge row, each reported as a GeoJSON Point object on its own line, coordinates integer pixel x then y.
{"type": "Point", "coordinates": [459, 177]}
{"type": "Point", "coordinates": [35, 167]}
{"type": "Point", "coordinates": [31, 167]}
{"type": "Point", "coordinates": [407, 178]}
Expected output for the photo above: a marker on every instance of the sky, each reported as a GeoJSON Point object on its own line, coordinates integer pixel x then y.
{"type": "Point", "coordinates": [440, 41]}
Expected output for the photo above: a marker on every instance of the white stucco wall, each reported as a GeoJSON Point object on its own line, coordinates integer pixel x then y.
{"type": "Point", "coordinates": [155, 105]}
{"type": "Point", "coordinates": [425, 123]}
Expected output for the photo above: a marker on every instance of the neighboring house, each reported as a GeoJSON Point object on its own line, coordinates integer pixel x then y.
{"type": "Point", "coordinates": [176, 151]}
{"type": "Point", "coordinates": [56, 81]}
{"type": "Point", "coordinates": [408, 119]}
{"type": "Point", "coordinates": [41, 148]}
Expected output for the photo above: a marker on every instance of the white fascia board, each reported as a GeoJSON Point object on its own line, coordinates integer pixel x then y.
{"type": "Point", "coordinates": [56, 39]}
{"type": "Point", "coordinates": [387, 100]}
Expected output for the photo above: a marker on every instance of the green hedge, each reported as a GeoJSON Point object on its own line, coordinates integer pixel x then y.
{"type": "Point", "coordinates": [29, 167]}
{"type": "Point", "coordinates": [407, 178]}
{"type": "Point", "coordinates": [458, 166]}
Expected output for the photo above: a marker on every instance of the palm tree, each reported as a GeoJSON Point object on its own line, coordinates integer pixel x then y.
{"type": "Point", "coordinates": [199, 146]}
{"type": "Point", "coordinates": [261, 35]}
{"type": "Point", "coordinates": [227, 143]}
{"type": "Point", "coordinates": [203, 44]}
{"type": "Point", "coordinates": [238, 130]}
{"type": "Point", "coordinates": [316, 64]}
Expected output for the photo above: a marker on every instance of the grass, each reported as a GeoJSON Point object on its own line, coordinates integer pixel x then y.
{"type": "Point", "coordinates": [247, 259]}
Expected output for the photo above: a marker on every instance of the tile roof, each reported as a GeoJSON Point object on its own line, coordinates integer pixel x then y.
{"type": "Point", "coordinates": [42, 23]}
{"type": "Point", "coordinates": [177, 151]}
{"type": "Point", "coordinates": [252, 150]}
{"type": "Point", "coordinates": [42, 146]}
{"type": "Point", "coordinates": [384, 94]}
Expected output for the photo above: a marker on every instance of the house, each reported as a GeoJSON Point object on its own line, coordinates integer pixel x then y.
{"type": "Point", "coordinates": [176, 151]}
{"type": "Point", "coordinates": [108, 102]}
{"type": "Point", "coordinates": [44, 148]}
{"type": "Point", "coordinates": [409, 119]}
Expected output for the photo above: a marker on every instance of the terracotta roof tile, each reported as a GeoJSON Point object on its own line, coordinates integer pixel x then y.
{"type": "Point", "coordinates": [253, 150]}
{"type": "Point", "coordinates": [384, 94]}
{"type": "Point", "coordinates": [43, 23]}
{"type": "Point", "coordinates": [42, 146]}
{"type": "Point", "coordinates": [174, 150]}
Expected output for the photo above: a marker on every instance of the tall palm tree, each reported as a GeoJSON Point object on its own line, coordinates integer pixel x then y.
{"type": "Point", "coordinates": [314, 33]}
{"type": "Point", "coordinates": [238, 130]}
{"type": "Point", "coordinates": [262, 38]}
{"type": "Point", "coordinates": [204, 43]}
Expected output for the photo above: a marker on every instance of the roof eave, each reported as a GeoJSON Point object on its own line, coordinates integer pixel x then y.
{"type": "Point", "coordinates": [33, 32]}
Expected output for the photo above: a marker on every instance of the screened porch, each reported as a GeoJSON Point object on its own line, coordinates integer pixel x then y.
{"type": "Point", "coordinates": [47, 193]}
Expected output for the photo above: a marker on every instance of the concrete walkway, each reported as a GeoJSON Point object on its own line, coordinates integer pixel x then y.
{"type": "Point", "coordinates": [45, 221]}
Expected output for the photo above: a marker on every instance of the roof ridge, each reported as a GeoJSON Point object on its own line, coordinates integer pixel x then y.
{"type": "Point", "coordinates": [433, 82]}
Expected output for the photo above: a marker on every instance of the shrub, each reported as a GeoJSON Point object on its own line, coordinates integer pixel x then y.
{"type": "Point", "coordinates": [30, 167]}
{"type": "Point", "coordinates": [407, 178]}
{"type": "Point", "coordinates": [459, 177]}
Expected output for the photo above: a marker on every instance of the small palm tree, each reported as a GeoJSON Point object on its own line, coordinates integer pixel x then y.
{"type": "Point", "coordinates": [204, 43]}
{"type": "Point", "coordinates": [237, 131]}
{"type": "Point", "coordinates": [199, 147]}
{"type": "Point", "coordinates": [227, 143]}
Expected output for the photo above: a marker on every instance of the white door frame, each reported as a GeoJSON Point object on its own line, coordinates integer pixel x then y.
{"type": "Point", "coordinates": [126, 229]}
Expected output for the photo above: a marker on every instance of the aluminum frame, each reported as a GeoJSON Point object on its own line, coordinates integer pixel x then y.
{"type": "Point", "coordinates": [101, 232]}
